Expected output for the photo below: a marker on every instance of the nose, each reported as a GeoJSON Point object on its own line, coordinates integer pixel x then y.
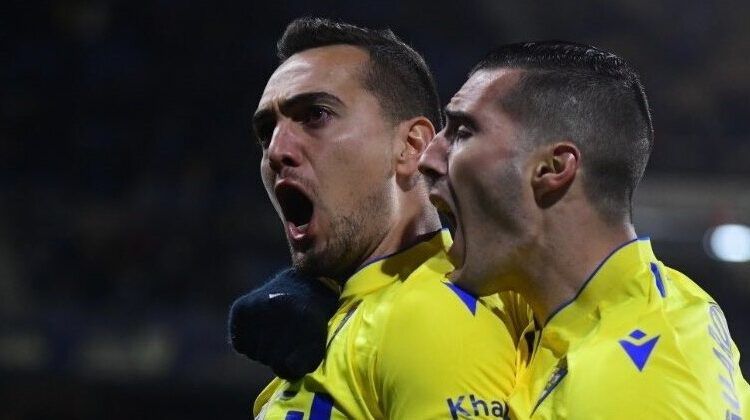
{"type": "Point", "coordinates": [434, 161]}
{"type": "Point", "coordinates": [283, 150]}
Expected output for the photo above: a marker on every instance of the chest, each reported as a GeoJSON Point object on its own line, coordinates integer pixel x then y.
{"type": "Point", "coordinates": [335, 390]}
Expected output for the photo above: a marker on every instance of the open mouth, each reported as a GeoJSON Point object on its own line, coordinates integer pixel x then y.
{"type": "Point", "coordinates": [295, 205]}
{"type": "Point", "coordinates": [456, 251]}
{"type": "Point", "coordinates": [445, 211]}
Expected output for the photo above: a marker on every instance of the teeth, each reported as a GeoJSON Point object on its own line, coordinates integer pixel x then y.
{"type": "Point", "coordinates": [303, 227]}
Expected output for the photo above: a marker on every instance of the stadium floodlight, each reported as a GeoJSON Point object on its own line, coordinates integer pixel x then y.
{"type": "Point", "coordinates": [730, 243]}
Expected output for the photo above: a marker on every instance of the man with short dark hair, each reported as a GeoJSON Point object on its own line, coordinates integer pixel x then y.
{"type": "Point", "coordinates": [342, 123]}
{"type": "Point", "coordinates": [543, 148]}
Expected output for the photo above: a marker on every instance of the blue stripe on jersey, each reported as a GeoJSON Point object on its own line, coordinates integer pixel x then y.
{"type": "Point", "coordinates": [322, 406]}
{"type": "Point", "coordinates": [657, 278]}
{"type": "Point", "coordinates": [469, 300]}
{"type": "Point", "coordinates": [294, 415]}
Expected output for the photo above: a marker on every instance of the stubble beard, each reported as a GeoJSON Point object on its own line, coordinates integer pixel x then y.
{"type": "Point", "coordinates": [349, 241]}
{"type": "Point", "coordinates": [488, 267]}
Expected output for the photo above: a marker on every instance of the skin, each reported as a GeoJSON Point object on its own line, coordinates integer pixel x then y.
{"type": "Point", "coordinates": [523, 220]}
{"type": "Point", "coordinates": [324, 134]}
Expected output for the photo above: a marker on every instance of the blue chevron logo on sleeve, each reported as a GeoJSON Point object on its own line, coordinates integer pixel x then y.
{"type": "Point", "coordinates": [638, 350]}
{"type": "Point", "coordinates": [732, 416]}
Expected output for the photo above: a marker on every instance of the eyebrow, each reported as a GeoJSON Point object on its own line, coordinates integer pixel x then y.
{"type": "Point", "coordinates": [265, 115]}
{"type": "Point", "coordinates": [460, 117]}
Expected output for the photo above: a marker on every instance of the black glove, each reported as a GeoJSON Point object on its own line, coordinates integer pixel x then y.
{"type": "Point", "coordinates": [284, 323]}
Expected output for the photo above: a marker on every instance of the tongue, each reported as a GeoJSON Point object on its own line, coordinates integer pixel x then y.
{"type": "Point", "coordinates": [298, 232]}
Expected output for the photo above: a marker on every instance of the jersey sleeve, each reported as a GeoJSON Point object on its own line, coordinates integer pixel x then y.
{"type": "Point", "coordinates": [443, 355]}
{"type": "Point", "coordinates": [743, 390]}
{"type": "Point", "coordinates": [741, 386]}
{"type": "Point", "coordinates": [672, 370]}
{"type": "Point", "coordinates": [661, 389]}
{"type": "Point", "coordinates": [265, 396]}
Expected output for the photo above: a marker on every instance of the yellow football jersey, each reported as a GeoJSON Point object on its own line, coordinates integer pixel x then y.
{"type": "Point", "coordinates": [407, 344]}
{"type": "Point", "coordinates": [640, 340]}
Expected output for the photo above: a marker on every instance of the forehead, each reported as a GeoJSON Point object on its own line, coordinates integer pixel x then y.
{"type": "Point", "coordinates": [335, 69]}
{"type": "Point", "coordinates": [483, 90]}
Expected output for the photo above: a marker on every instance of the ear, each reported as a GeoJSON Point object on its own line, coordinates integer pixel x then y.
{"type": "Point", "coordinates": [554, 173]}
{"type": "Point", "coordinates": [417, 134]}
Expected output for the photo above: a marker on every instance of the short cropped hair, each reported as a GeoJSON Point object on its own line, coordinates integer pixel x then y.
{"type": "Point", "coordinates": [589, 96]}
{"type": "Point", "coordinates": [396, 74]}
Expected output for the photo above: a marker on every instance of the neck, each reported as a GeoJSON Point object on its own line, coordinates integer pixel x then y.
{"type": "Point", "coordinates": [407, 223]}
{"type": "Point", "coordinates": [412, 217]}
{"type": "Point", "coordinates": [568, 252]}
{"type": "Point", "coordinates": [411, 225]}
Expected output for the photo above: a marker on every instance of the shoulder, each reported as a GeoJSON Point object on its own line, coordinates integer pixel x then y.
{"type": "Point", "coordinates": [665, 357]}
{"type": "Point", "coordinates": [440, 346]}
{"type": "Point", "coordinates": [434, 326]}
{"type": "Point", "coordinates": [686, 289]}
{"type": "Point", "coordinates": [433, 309]}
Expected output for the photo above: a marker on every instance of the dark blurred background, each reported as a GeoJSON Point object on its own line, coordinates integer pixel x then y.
{"type": "Point", "coordinates": [132, 214]}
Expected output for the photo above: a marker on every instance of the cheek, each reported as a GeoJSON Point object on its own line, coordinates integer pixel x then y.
{"type": "Point", "coordinates": [341, 175]}
{"type": "Point", "coordinates": [470, 170]}
{"type": "Point", "coordinates": [356, 157]}
{"type": "Point", "coordinates": [484, 183]}
{"type": "Point", "coordinates": [361, 158]}
{"type": "Point", "coordinates": [266, 174]}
